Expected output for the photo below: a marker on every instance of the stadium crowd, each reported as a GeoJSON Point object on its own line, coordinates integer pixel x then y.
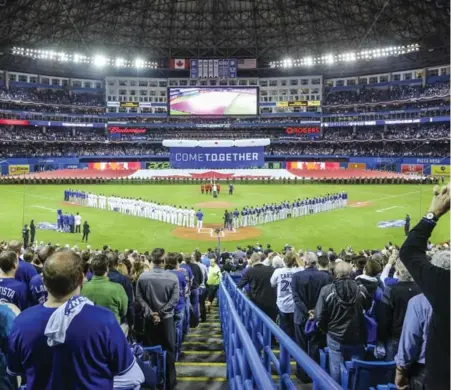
{"type": "Point", "coordinates": [366, 133]}
{"type": "Point", "coordinates": [51, 96]}
{"type": "Point", "coordinates": [337, 148]}
{"type": "Point", "coordinates": [395, 93]}
{"type": "Point", "coordinates": [393, 299]}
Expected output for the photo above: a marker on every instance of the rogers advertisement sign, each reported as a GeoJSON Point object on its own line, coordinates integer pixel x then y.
{"type": "Point", "coordinates": [127, 130]}
{"type": "Point", "coordinates": [412, 169]}
{"type": "Point", "coordinates": [302, 130]}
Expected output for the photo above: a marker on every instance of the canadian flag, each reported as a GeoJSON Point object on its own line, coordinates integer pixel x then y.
{"type": "Point", "coordinates": [178, 64]}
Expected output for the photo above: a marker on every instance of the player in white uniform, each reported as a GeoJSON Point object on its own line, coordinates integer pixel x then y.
{"type": "Point", "coordinates": [192, 214]}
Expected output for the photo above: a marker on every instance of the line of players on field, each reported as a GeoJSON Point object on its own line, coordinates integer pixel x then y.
{"type": "Point", "coordinates": [137, 207]}
{"type": "Point", "coordinates": [251, 216]}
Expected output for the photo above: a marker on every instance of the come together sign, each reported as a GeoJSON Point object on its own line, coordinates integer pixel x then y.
{"type": "Point", "coordinates": [225, 158]}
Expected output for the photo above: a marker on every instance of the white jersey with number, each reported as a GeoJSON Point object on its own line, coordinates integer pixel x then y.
{"type": "Point", "coordinates": [282, 279]}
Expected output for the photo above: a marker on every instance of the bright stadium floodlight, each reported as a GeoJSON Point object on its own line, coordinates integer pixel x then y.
{"type": "Point", "coordinates": [329, 59]}
{"type": "Point", "coordinates": [308, 61]}
{"type": "Point", "coordinates": [119, 63]}
{"type": "Point", "coordinates": [99, 61]}
{"type": "Point", "coordinates": [139, 63]}
{"type": "Point", "coordinates": [77, 58]}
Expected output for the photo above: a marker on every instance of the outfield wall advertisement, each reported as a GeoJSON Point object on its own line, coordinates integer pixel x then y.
{"type": "Point", "coordinates": [312, 165]}
{"type": "Point", "coordinates": [412, 169]}
{"type": "Point", "coordinates": [440, 170]}
{"type": "Point", "coordinates": [219, 158]}
{"type": "Point", "coordinates": [18, 169]}
{"type": "Point", "coordinates": [115, 166]}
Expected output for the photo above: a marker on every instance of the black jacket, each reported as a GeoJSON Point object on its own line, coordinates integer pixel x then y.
{"type": "Point", "coordinates": [261, 292]}
{"type": "Point", "coordinates": [306, 286]}
{"type": "Point", "coordinates": [86, 229]}
{"type": "Point", "coordinates": [369, 282]}
{"type": "Point", "coordinates": [339, 311]}
{"type": "Point", "coordinates": [434, 282]}
{"type": "Point", "coordinates": [198, 277]}
{"type": "Point", "coordinates": [392, 310]}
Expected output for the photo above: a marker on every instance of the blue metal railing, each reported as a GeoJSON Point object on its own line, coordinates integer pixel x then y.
{"type": "Point", "coordinates": [244, 367]}
{"type": "Point", "coordinates": [262, 330]}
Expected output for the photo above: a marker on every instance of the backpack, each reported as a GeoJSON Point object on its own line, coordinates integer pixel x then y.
{"type": "Point", "coordinates": [370, 318]}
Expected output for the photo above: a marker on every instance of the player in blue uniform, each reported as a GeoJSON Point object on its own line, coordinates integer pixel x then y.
{"type": "Point", "coordinates": [200, 218]}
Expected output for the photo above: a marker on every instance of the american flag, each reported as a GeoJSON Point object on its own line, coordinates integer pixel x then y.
{"type": "Point", "coordinates": [247, 63]}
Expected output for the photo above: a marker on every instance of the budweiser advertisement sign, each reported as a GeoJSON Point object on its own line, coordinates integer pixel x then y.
{"type": "Point", "coordinates": [302, 130]}
{"type": "Point", "coordinates": [127, 130]}
{"type": "Point", "coordinates": [412, 169]}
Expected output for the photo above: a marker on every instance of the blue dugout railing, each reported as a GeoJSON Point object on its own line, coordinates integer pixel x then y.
{"type": "Point", "coordinates": [244, 367]}
{"type": "Point", "coordinates": [261, 330]}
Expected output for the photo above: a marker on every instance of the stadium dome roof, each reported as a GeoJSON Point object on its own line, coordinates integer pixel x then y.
{"type": "Point", "coordinates": [263, 29]}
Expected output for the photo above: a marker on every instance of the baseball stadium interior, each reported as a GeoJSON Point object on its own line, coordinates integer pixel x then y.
{"type": "Point", "coordinates": [219, 195]}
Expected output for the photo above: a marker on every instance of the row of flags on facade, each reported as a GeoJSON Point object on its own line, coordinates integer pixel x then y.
{"type": "Point", "coordinates": [184, 63]}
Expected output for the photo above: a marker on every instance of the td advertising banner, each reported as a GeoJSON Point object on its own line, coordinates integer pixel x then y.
{"type": "Point", "coordinates": [18, 169]}
{"type": "Point", "coordinates": [440, 170]}
{"type": "Point", "coordinates": [218, 158]}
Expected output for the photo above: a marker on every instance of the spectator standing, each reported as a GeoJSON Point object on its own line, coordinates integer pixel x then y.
{"type": "Point", "coordinates": [281, 278]}
{"type": "Point", "coordinates": [392, 310]}
{"type": "Point", "coordinates": [410, 359]}
{"type": "Point", "coordinates": [306, 286]}
{"type": "Point", "coordinates": [202, 286]}
{"type": "Point", "coordinates": [103, 292]}
{"type": "Point", "coordinates": [434, 282]}
{"type": "Point", "coordinates": [25, 236]}
{"type": "Point", "coordinates": [77, 219]}
{"type": "Point", "coordinates": [68, 342]}
{"type": "Point", "coordinates": [32, 231]}
{"type": "Point", "coordinates": [213, 280]}
{"type": "Point", "coordinates": [186, 269]}
{"type": "Point", "coordinates": [38, 292]}
{"type": "Point", "coordinates": [172, 264]}
{"type": "Point", "coordinates": [261, 293]}
{"type": "Point", "coordinates": [157, 292]}
{"type": "Point", "coordinates": [117, 277]}
{"type": "Point", "coordinates": [369, 277]}
{"type": "Point", "coordinates": [12, 290]}
{"type": "Point", "coordinates": [25, 271]}
{"type": "Point", "coordinates": [339, 313]}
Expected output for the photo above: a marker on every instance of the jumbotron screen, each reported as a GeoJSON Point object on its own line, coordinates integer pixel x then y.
{"type": "Point", "coordinates": [213, 101]}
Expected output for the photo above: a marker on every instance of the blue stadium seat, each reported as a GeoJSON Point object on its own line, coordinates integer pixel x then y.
{"type": "Point", "coordinates": [324, 359]}
{"type": "Point", "coordinates": [158, 360]}
{"type": "Point", "coordinates": [390, 386]}
{"type": "Point", "coordinates": [359, 374]}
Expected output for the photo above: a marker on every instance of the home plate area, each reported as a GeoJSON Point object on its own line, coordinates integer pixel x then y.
{"type": "Point", "coordinates": [216, 232]}
{"type": "Point", "coordinates": [211, 232]}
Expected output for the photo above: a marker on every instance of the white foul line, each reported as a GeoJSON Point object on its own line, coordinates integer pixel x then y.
{"type": "Point", "coordinates": [43, 207]}
{"type": "Point", "coordinates": [388, 208]}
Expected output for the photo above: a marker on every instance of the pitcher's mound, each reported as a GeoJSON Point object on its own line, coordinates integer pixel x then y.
{"type": "Point", "coordinates": [208, 233]}
{"type": "Point", "coordinates": [214, 204]}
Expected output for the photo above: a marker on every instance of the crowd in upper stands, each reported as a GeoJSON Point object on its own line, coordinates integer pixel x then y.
{"type": "Point", "coordinates": [338, 134]}
{"type": "Point", "coordinates": [375, 95]}
{"type": "Point", "coordinates": [394, 299]}
{"type": "Point", "coordinates": [51, 96]}
{"type": "Point", "coordinates": [414, 149]}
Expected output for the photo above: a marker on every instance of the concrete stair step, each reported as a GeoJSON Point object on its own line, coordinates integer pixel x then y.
{"type": "Point", "coordinates": [201, 383]}
{"type": "Point", "coordinates": [202, 356]}
{"type": "Point", "coordinates": [202, 346]}
{"type": "Point", "coordinates": [201, 369]}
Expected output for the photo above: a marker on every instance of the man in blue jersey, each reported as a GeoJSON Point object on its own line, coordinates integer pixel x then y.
{"type": "Point", "coordinates": [25, 271]}
{"type": "Point", "coordinates": [38, 292]}
{"type": "Point", "coordinates": [68, 343]}
{"type": "Point", "coordinates": [200, 217]}
{"type": "Point", "coordinates": [11, 290]}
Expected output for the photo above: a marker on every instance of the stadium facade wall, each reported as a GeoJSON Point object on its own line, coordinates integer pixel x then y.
{"type": "Point", "coordinates": [160, 162]}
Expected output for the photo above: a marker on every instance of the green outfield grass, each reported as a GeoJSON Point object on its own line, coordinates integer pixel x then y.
{"type": "Point", "coordinates": [356, 226]}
